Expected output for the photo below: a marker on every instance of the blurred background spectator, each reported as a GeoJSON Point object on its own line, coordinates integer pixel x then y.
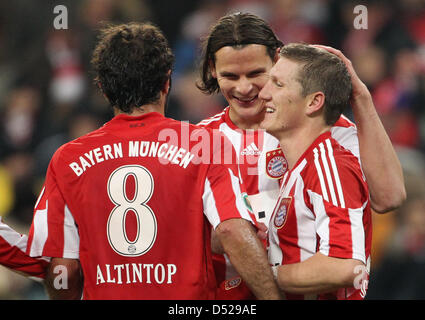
{"type": "Point", "coordinates": [47, 98]}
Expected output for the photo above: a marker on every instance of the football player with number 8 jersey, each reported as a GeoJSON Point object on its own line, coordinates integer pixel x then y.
{"type": "Point", "coordinates": [134, 201]}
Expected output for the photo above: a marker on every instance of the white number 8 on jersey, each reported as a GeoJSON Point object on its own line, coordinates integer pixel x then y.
{"type": "Point", "coordinates": [116, 230]}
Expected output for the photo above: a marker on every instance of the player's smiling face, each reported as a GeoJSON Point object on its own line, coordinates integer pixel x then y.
{"type": "Point", "coordinates": [241, 74]}
{"type": "Point", "coordinates": [284, 104]}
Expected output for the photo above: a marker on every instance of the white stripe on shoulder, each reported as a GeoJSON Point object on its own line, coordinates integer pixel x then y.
{"type": "Point", "coordinates": [39, 197]}
{"type": "Point", "coordinates": [238, 195]}
{"type": "Point", "coordinates": [210, 210]}
{"type": "Point", "coordinates": [211, 119]}
{"type": "Point", "coordinates": [328, 174]}
{"type": "Point", "coordinates": [347, 138]}
{"type": "Point", "coordinates": [40, 232]}
{"type": "Point", "coordinates": [320, 174]}
{"type": "Point", "coordinates": [71, 245]}
{"type": "Point", "coordinates": [335, 174]}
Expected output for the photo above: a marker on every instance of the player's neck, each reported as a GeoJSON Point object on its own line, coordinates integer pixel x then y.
{"type": "Point", "coordinates": [135, 112]}
{"type": "Point", "coordinates": [245, 123]}
{"type": "Point", "coordinates": [296, 142]}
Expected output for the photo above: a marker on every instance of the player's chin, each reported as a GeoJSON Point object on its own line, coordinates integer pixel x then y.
{"type": "Point", "coordinates": [266, 124]}
{"type": "Point", "coordinates": [252, 103]}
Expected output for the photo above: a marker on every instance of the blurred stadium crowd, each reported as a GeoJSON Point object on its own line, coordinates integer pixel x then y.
{"type": "Point", "coordinates": [47, 98]}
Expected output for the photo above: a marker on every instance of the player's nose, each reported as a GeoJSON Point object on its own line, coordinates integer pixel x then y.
{"type": "Point", "coordinates": [244, 87]}
{"type": "Point", "coordinates": [265, 93]}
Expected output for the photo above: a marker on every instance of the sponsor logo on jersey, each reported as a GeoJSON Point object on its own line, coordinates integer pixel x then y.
{"type": "Point", "coordinates": [246, 202]}
{"type": "Point", "coordinates": [251, 150]}
{"type": "Point", "coordinates": [276, 164]}
{"type": "Point", "coordinates": [232, 283]}
{"type": "Point", "coordinates": [281, 212]}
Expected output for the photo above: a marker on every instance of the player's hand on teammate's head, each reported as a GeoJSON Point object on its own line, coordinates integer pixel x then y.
{"type": "Point", "coordinates": [359, 89]}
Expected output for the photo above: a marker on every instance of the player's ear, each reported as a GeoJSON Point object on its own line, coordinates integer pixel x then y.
{"type": "Point", "coordinates": [212, 69]}
{"type": "Point", "coordinates": [276, 55]}
{"type": "Point", "coordinates": [99, 85]}
{"type": "Point", "coordinates": [167, 85]}
{"type": "Point", "coordinates": [315, 102]}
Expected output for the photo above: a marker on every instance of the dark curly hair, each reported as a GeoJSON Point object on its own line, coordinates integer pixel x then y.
{"type": "Point", "coordinates": [235, 30]}
{"type": "Point", "coordinates": [132, 64]}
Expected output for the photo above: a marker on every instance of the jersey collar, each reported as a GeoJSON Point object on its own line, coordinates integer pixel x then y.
{"type": "Point", "coordinates": [228, 121]}
{"type": "Point", "coordinates": [145, 116]}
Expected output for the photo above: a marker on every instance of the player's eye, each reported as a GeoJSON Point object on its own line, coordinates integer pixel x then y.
{"type": "Point", "coordinates": [229, 76]}
{"type": "Point", "coordinates": [255, 74]}
{"type": "Point", "coordinates": [278, 84]}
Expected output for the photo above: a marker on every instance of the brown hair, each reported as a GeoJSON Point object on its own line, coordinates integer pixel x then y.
{"type": "Point", "coordinates": [132, 62]}
{"type": "Point", "coordinates": [236, 30]}
{"type": "Point", "coordinates": [321, 71]}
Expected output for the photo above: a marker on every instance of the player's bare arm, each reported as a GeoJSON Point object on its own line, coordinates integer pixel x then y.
{"type": "Point", "coordinates": [318, 274]}
{"type": "Point", "coordinates": [248, 256]}
{"type": "Point", "coordinates": [217, 248]}
{"type": "Point", "coordinates": [380, 163]}
{"type": "Point", "coordinates": [64, 280]}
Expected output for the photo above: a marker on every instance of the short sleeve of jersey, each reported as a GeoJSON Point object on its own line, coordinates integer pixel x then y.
{"type": "Point", "coordinates": [222, 197]}
{"type": "Point", "coordinates": [345, 132]}
{"type": "Point", "coordinates": [338, 198]}
{"type": "Point", "coordinates": [13, 253]}
{"type": "Point", "coordinates": [53, 231]}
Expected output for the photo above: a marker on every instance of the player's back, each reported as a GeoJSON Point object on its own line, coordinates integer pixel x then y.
{"type": "Point", "coordinates": [137, 195]}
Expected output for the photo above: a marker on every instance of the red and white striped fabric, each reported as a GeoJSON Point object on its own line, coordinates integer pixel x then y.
{"type": "Point", "coordinates": [127, 201]}
{"type": "Point", "coordinates": [324, 207]}
{"type": "Point", "coordinates": [13, 255]}
{"type": "Point", "coordinates": [253, 148]}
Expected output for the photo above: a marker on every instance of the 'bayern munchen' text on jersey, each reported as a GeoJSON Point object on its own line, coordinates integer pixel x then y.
{"type": "Point", "coordinates": [128, 199]}
{"type": "Point", "coordinates": [323, 206]}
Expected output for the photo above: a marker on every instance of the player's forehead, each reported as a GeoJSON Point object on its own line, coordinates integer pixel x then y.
{"type": "Point", "coordinates": [246, 57]}
{"type": "Point", "coordinates": [285, 69]}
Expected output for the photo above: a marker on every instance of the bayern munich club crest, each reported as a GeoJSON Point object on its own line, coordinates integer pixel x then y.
{"type": "Point", "coordinates": [281, 212]}
{"type": "Point", "coordinates": [276, 164]}
{"type": "Point", "coordinates": [232, 283]}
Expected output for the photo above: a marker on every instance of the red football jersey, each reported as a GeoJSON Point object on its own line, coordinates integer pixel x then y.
{"type": "Point", "coordinates": [262, 165]}
{"type": "Point", "coordinates": [13, 255]}
{"type": "Point", "coordinates": [134, 201]}
{"type": "Point", "coordinates": [323, 206]}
